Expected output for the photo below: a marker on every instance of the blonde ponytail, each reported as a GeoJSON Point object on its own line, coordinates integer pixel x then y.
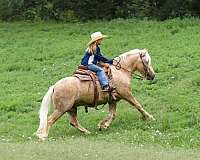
{"type": "Point", "coordinates": [92, 48]}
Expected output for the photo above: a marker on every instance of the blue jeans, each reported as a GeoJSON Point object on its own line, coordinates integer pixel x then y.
{"type": "Point", "coordinates": [100, 74]}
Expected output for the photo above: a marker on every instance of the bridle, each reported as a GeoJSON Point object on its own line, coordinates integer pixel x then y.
{"type": "Point", "coordinates": [144, 64]}
{"type": "Point", "coordinates": [118, 66]}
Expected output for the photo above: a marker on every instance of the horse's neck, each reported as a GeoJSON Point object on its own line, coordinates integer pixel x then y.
{"type": "Point", "coordinates": [126, 67]}
{"type": "Point", "coordinates": [127, 64]}
{"type": "Point", "coordinates": [127, 61]}
{"type": "Point", "coordinates": [121, 75]}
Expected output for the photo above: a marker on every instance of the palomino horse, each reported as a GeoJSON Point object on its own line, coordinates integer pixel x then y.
{"type": "Point", "coordinates": [70, 92]}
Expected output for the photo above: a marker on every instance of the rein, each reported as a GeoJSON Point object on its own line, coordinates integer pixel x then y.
{"type": "Point", "coordinates": [144, 65]}
{"type": "Point", "coordinates": [118, 66]}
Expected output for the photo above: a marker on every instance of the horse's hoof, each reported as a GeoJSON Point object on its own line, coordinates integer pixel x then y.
{"type": "Point", "coordinates": [42, 139]}
{"type": "Point", "coordinates": [103, 127]}
{"type": "Point", "coordinates": [41, 136]}
{"type": "Point", "coordinates": [87, 132]}
{"type": "Point", "coordinates": [149, 117]}
{"type": "Point", "coordinates": [153, 119]}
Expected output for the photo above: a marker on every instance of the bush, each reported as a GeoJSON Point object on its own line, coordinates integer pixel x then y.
{"type": "Point", "coordinates": [68, 16]}
{"type": "Point", "coordinates": [74, 10]}
{"type": "Point", "coordinates": [11, 9]}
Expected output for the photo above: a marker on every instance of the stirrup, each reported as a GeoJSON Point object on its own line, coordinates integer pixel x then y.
{"type": "Point", "coordinates": [106, 89]}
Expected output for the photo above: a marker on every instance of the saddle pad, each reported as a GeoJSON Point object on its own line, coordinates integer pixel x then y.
{"type": "Point", "coordinates": [84, 77]}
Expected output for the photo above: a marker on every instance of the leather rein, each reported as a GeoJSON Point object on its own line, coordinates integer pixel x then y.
{"type": "Point", "coordinates": [118, 66]}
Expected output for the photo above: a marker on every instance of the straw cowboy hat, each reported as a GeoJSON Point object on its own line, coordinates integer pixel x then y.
{"type": "Point", "coordinates": [96, 36]}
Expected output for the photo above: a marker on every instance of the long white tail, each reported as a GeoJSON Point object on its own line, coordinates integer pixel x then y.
{"type": "Point", "coordinates": [46, 102]}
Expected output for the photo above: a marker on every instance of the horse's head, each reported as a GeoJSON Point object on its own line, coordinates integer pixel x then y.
{"type": "Point", "coordinates": [144, 65]}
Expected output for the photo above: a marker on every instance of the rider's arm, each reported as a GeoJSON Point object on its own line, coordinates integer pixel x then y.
{"type": "Point", "coordinates": [100, 57]}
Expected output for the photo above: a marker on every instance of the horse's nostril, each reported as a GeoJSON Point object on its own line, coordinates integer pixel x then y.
{"type": "Point", "coordinates": [154, 76]}
{"type": "Point", "coordinates": [150, 77]}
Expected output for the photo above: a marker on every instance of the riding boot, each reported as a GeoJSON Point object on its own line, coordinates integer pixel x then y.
{"type": "Point", "coordinates": [106, 88]}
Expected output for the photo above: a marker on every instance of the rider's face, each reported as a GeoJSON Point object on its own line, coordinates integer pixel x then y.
{"type": "Point", "coordinates": [99, 41]}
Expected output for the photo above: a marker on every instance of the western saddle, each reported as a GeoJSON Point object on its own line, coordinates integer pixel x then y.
{"type": "Point", "coordinates": [84, 74]}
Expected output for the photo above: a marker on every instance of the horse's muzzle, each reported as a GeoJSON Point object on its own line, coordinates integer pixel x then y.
{"type": "Point", "coordinates": [150, 77]}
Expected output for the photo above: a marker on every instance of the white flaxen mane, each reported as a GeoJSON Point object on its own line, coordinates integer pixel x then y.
{"type": "Point", "coordinates": [136, 51]}
{"type": "Point", "coordinates": [148, 58]}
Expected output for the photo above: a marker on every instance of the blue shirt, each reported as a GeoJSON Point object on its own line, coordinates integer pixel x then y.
{"type": "Point", "coordinates": [97, 58]}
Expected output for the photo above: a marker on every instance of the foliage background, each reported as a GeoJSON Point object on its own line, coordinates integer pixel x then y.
{"type": "Point", "coordinates": [76, 10]}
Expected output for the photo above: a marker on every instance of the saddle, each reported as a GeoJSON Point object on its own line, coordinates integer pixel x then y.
{"type": "Point", "coordinates": [84, 74]}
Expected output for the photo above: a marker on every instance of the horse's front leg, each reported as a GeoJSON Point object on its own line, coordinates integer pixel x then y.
{"type": "Point", "coordinates": [111, 116]}
{"type": "Point", "coordinates": [129, 97]}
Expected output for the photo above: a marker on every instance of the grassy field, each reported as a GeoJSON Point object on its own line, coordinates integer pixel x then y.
{"type": "Point", "coordinates": [84, 149]}
{"type": "Point", "coordinates": [34, 56]}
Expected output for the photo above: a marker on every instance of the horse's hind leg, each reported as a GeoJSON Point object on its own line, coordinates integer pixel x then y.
{"type": "Point", "coordinates": [51, 120]}
{"type": "Point", "coordinates": [60, 109]}
{"type": "Point", "coordinates": [112, 114]}
{"type": "Point", "coordinates": [42, 134]}
{"type": "Point", "coordinates": [54, 117]}
{"type": "Point", "coordinates": [74, 122]}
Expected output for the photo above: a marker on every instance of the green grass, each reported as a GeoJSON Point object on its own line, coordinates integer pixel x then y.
{"type": "Point", "coordinates": [34, 56]}
{"type": "Point", "coordinates": [84, 149]}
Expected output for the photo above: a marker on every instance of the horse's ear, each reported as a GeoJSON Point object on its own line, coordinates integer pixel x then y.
{"type": "Point", "coordinates": [145, 50]}
{"type": "Point", "coordinates": [142, 54]}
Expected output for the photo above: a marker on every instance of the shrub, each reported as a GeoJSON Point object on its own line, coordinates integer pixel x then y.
{"type": "Point", "coordinates": [72, 10]}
